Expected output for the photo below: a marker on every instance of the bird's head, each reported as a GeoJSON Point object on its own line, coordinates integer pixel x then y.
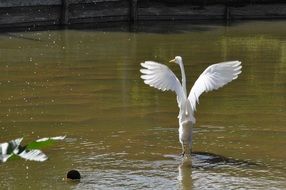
{"type": "Point", "coordinates": [177, 60]}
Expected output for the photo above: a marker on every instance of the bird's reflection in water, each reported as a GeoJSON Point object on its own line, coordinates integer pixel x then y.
{"type": "Point", "coordinates": [185, 173]}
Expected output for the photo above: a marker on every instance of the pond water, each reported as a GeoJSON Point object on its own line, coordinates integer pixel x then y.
{"type": "Point", "coordinates": [122, 134]}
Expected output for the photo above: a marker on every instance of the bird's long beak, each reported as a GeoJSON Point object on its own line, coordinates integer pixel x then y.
{"type": "Point", "coordinates": [172, 61]}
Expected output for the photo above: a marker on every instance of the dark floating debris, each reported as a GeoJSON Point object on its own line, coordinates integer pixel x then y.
{"type": "Point", "coordinates": [73, 175]}
{"type": "Point", "coordinates": [31, 151]}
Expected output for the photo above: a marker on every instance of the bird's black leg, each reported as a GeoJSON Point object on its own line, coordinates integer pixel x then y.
{"type": "Point", "coordinates": [186, 150]}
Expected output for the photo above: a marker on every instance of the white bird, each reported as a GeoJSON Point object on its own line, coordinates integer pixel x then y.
{"type": "Point", "coordinates": [13, 147]}
{"type": "Point", "coordinates": [161, 77]}
{"type": "Point", "coordinates": [28, 152]}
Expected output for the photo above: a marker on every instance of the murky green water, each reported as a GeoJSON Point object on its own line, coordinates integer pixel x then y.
{"type": "Point", "coordinates": [122, 134]}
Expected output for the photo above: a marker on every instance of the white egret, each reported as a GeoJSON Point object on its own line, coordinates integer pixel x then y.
{"type": "Point", "coordinates": [161, 77]}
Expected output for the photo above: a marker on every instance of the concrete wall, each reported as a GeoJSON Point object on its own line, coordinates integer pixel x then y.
{"type": "Point", "coordinates": [14, 13]}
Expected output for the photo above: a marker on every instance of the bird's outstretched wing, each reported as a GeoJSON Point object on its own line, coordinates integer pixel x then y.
{"type": "Point", "coordinates": [34, 155]}
{"type": "Point", "coordinates": [7, 149]}
{"type": "Point", "coordinates": [214, 77]}
{"type": "Point", "coordinates": [161, 77]}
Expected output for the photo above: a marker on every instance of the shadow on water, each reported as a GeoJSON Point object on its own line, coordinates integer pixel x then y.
{"type": "Point", "coordinates": [162, 27]}
{"type": "Point", "coordinates": [20, 36]}
{"type": "Point", "coordinates": [206, 160]}
{"type": "Point", "coordinates": [158, 27]}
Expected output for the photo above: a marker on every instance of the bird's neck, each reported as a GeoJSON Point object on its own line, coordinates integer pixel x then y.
{"type": "Point", "coordinates": [183, 78]}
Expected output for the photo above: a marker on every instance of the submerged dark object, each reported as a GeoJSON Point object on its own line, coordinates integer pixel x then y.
{"type": "Point", "coordinates": [73, 175]}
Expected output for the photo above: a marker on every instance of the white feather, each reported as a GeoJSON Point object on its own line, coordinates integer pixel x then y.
{"type": "Point", "coordinates": [34, 155]}
{"type": "Point", "coordinates": [214, 77]}
{"type": "Point", "coordinates": [161, 77]}
{"type": "Point", "coordinates": [51, 138]}
{"type": "Point", "coordinates": [12, 146]}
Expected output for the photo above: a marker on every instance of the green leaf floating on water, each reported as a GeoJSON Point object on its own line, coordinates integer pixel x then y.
{"type": "Point", "coordinates": [44, 142]}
